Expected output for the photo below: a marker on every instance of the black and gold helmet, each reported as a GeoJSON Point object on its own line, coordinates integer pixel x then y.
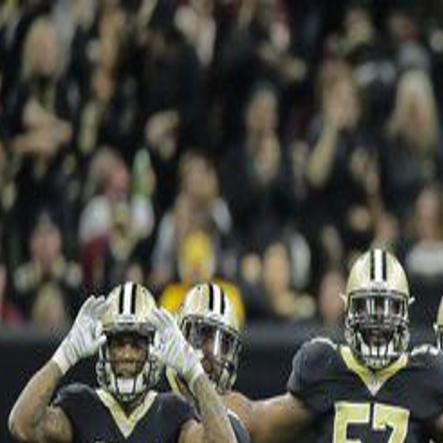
{"type": "Point", "coordinates": [438, 327]}
{"type": "Point", "coordinates": [209, 323]}
{"type": "Point", "coordinates": [128, 313]}
{"type": "Point", "coordinates": [377, 309]}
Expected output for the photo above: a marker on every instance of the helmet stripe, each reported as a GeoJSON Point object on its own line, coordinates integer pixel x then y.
{"type": "Point", "coordinates": [217, 298]}
{"type": "Point", "coordinates": [384, 266]}
{"type": "Point", "coordinates": [378, 255]}
{"type": "Point", "coordinates": [223, 301]}
{"type": "Point", "coordinates": [120, 300]}
{"type": "Point", "coordinates": [371, 265]}
{"type": "Point", "coordinates": [133, 297]}
{"type": "Point", "coordinates": [127, 297]}
{"type": "Point", "coordinates": [211, 297]}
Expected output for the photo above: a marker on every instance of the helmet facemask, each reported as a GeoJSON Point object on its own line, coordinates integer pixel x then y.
{"type": "Point", "coordinates": [438, 327]}
{"type": "Point", "coordinates": [220, 346]}
{"type": "Point", "coordinates": [439, 336]}
{"type": "Point", "coordinates": [377, 326]}
{"type": "Point", "coordinates": [110, 371]}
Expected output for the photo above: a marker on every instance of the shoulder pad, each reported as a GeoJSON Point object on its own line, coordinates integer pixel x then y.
{"type": "Point", "coordinates": [314, 359]}
{"type": "Point", "coordinates": [425, 349]}
{"type": "Point", "coordinates": [175, 404]}
{"type": "Point", "coordinates": [74, 399]}
{"type": "Point", "coordinates": [322, 340]}
{"type": "Point", "coordinates": [75, 390]}
{"type": "Point", "coordinates": [317, 354]}
{"type": "Point", "coordinates": [312, 367]}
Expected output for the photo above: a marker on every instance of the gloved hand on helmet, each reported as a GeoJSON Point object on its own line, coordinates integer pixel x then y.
{"type": "Point", "coordinates": [172, 349]}
{"type": "Point", "coordinates": [85, 337]}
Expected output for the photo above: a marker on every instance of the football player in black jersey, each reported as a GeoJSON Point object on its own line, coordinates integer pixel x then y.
{"type": "Point", "coordinates": [122, 329]}
{"type": "Point", "coordinates": [208, 321]}
{"type": "Point", "coordinates": [371, 390]}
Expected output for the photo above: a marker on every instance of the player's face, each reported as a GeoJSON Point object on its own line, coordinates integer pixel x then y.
{"type": "Point", "coordinates": [379, 317]}
{"type": "Point", "coordinates": [128, 353]}
{"type": "Point", "coordinates": [209, 363]}
{"type": "Point", "coordinates": [377, 307]}
{"type": "Point", "coordinates": [216, 345]}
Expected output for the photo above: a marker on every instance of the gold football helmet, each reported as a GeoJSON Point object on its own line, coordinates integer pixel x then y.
{"type": "Point", "coordinates": [128, 313]}
{"type": "Point", "coordinates": [438, 326]}
{"type": "Point", "coordinates": [208, 321]}
{"type": "Point", "coordinates": [377, 309]}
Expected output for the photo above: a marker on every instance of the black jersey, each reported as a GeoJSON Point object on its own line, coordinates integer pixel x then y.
{"type": "Point", "coordinates": [96, 416]}
{"type": "Point", "coordinates": [349, 402]}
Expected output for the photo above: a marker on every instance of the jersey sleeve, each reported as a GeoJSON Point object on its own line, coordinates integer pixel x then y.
{"type": "Point", "coordinates": [310, 378]}
{"type": "Point", "coordinates": [429, 404]}
{"type": "Point", "coordinates": [179, 410]}
{"type": "Point", "coordinates": [75, 400]}
{"type": "Point", "coordinates": [239, 430]}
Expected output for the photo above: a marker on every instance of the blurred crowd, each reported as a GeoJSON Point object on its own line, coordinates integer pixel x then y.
{"type": "Point", "coordinates": [258, 143]}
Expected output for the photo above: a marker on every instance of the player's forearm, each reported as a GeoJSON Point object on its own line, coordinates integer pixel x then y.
{"type": "Point", "coordinates": [216, 425]}
{"type": "Point", "coordinates": [30, 407]}
{"type": "Point", "coordinates": [281, 419]}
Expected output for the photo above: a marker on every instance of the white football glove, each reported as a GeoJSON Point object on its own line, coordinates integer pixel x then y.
{"type": "Point", "coordinates": [172, 349]}
{"type": "Point", "coordinates": [85, 336]}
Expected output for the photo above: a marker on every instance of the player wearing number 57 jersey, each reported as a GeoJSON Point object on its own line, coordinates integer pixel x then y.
{"type": "Point", "coordinates": [371, 390]}
{"type": "Point", "coordinates": [351, 403]}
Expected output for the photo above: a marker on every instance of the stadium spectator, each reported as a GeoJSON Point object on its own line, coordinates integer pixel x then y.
{"type": "Point", "coordinates": [49, 312]}
{"type": "Point", "coordinates": [342, 170]}
{"type": "Point", "coordinates": [316, 129]}
{"type": "Point", "coordinates": [197, 23]}
{"type": "Point", "coordinates": [413, 152]}
{"type": "Point", "coordinates": [258, 49]}
{"type": "Point", "coordinates": [116, 217]}
{"type": "Point", "coordinates": [283, 301]}
{"type": "Point", "coordinates": [423, 247]}
{"type": "Point", "coordinates": [198, 206]}
{"type": "Point", "coordinates": [330, 303]}
{"type": "Point", "coordinates": [47, 264]}
{"type": "Point", "coordinates": [39, 108]}
{"type": "Point", "coordinates": [261, 209]}
{"type": "Point", "coordinates": [9, 314]}
{"type": "Point", "coordinates": [197, 262]}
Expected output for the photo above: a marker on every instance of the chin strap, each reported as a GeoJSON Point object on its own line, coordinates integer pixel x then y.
{"type": "Point", "coordinates": [125, 388]}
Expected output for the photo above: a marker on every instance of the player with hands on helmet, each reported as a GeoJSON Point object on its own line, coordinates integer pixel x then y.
{"type": "Point", "coordinates": [124, 408]}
